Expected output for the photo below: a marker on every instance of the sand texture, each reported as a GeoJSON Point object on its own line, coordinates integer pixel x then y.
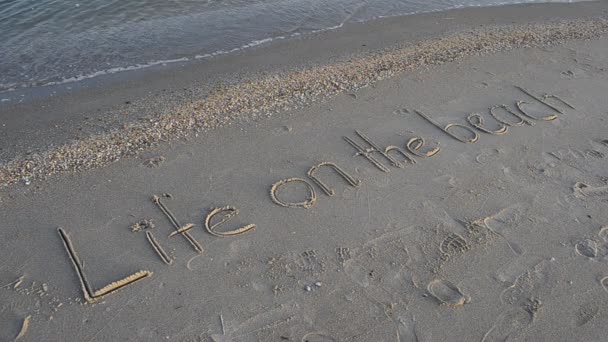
{"type": "Point", "coordinates": [376, 213]}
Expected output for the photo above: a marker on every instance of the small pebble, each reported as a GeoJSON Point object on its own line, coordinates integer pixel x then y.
{"type": "Point", "coordinates": [308, 288]}
{"type": "Point", "coordinates": [318, 284]}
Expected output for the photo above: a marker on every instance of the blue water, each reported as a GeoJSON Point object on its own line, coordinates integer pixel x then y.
{"type": "Point", "coordinates": [53, 41]}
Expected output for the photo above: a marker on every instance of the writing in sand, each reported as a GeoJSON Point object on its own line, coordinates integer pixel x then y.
{"type": "Point", "coordinates": [523, 112]}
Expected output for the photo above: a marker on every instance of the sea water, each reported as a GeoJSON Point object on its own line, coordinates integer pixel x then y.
{"type": "Point", "coordinates": [46, 42]}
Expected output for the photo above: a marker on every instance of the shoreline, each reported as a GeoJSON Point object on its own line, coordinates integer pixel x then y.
{"type": "Point", "coordinates": [258, 93]}
{"type": "Point", "coordinates": [35, 119]}
{"type": "Point", "coordinates": [261, 40]}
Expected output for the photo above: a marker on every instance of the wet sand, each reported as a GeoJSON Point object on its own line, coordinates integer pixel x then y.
{"type": "Point", "coordinates": [34, 120]}
{"type": "Point", "coordinates": [503, 238]}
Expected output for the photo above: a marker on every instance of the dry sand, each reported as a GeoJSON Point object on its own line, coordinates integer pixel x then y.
{"type": "Point", "coordinates": [502, 239]}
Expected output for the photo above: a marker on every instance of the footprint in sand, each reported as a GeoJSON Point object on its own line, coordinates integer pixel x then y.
{"type": "Point", "coordinates": [528, 284]}
{"type": "Point", "coordinates": [406, 329]}
{"type": "Point", "coordinates": [603, 234]}
{"type": "Point", "coordinates": [604, 282]}
{"type": "Point", "coordinates": [506, 218]}
{"type": "Point", "coordinates": [582, 190]}
{"type": "Point", "coordinates": [508, 325]}
{"type": "Point", "coordinates": [595, 154]}
{"type": "Point", "coordinates": [587, 248]}
{"type": "Point", "coordinates": [453, 244]}
{"type": "Point", "coordinates": [447, 293]}
{"type": "Point", "coordinates": [586, 313]}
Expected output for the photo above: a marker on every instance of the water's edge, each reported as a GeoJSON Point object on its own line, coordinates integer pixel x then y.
{"type": "Point", "coordinates": [45, 55]}
{"type": "Point", "coordinates": [38, 118]}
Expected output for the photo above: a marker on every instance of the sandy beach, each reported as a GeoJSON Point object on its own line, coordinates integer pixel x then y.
{"type": "Point", "coordinates": [373, 183]}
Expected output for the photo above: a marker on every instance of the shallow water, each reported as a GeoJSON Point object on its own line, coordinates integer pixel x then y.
{"type": "Point", "coordinates": [53, 41]}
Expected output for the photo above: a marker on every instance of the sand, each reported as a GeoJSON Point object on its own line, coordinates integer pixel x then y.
{"type": "Point", "coordinates": [499, 239]}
